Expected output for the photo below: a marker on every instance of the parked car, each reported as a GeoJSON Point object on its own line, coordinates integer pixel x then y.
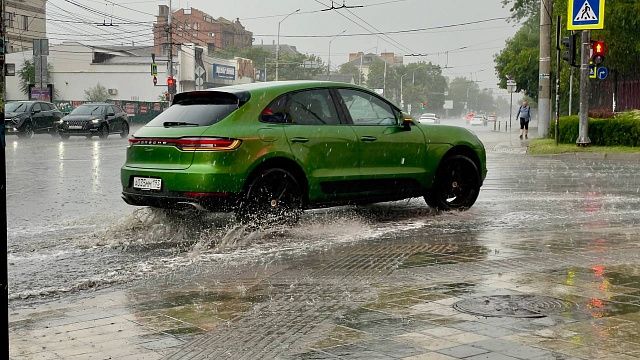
{"type": "Point", "coordinates": [270, 150]}
{"type": "Point", "coordinates": [429, 118]}
{"type": "Point", "coordinates": [25, 118]}
{"type": "Point", "coordinates": [94, 119]}
{"type": "Point", "coordinates": [478, 120]}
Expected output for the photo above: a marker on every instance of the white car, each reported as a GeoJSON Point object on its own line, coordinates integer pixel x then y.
{"type": "Point", "coordinates": [429, 118]}
{"type": "Point", "coordinates": [478, 120]}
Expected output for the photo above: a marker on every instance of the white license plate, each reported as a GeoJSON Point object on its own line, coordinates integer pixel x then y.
{"type": "Point", "coordinates": [75, 127]}
{"type": "Point", "coordinates": [147, 183]}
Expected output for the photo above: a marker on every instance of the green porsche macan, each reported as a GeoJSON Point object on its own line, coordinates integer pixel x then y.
{"type": "Point", "coordinates": [270, 150]}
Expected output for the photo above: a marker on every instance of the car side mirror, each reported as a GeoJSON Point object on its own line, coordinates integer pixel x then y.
{"type": "Point", "coordinates": [111, 114]}
{"type": "Point", "coordinates": [35, 111]}
{"type": "Point", "coordinates": [407, 121]}
{"type": "Point", "coordinates": [278, 118]}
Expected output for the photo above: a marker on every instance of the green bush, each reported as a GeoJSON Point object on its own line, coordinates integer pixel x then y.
{"type": "Point", "coordinates": [621, 130]}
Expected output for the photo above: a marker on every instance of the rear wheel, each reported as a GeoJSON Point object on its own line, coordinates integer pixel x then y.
{"type": "Point", "coordinates": [456, 186]}
{"type": "Point", "coordinates": [27, 131]}
{"type": "Point", "coordinates": [125, 130]}
{"type": "Point", "coordinates": [103, 131]}
{"type": "Point", "coordinates": [273, 197]}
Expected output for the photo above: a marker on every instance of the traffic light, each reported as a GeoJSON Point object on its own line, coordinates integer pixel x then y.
{"type": "Point", "coordinates": [171, 85]}
{"type": "Point", "coordinates": [598, 49]}
{"type": "Point", "coordinates": [569, 55]}
{"type": "Point", "coordinates": [155, 81]}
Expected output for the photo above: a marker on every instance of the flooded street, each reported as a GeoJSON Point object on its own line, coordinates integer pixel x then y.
{"type": "Point", "coordinates": [546, 265]}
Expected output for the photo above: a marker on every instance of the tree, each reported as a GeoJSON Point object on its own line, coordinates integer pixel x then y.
{"type": "Point", "coordinates": [97, 93]}
{"type": "Point", "coordinates": [519, 59]}
{"type": "Point", "coordinates": [27, 76]}
{"type": "Point", "coordinates": [351, 69]}
{"type": "Point", "coordinates": [378, 80]}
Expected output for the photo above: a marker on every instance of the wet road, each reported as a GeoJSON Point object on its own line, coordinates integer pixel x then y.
{"type": "Point", "coordinates": [350, 282]}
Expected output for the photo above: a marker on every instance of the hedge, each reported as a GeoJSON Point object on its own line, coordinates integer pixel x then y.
{"type": "Point", "coordinates": [621, 130]}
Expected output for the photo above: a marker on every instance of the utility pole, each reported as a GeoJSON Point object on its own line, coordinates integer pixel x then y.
{"type": "Point", "coordinates": [544, 93]}
{"type": "Point", "coordinates": [583, 131]}
{"type": "Point", "coordinates": [4, 280]}
{"type": "Point", "coordinates": [360, 70]}
{"type": "Point", "coordinates": [170, 38]}
{"type": "Point", "coordinates": [571, 92]}
{"type": "Point", "coordinates": [384, 80]}
{"type": "Point", "coordinates": [278, 44]}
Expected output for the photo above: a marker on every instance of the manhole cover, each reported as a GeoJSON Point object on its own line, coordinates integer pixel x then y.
{"type": "Point", "coordinates": [520, 306]}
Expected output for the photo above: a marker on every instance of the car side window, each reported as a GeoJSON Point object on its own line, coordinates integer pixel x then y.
{"type": "Point", "coordinates": [112, 109]}
{"type": "Point", "coordinates": [312, 107]}
{"type": "Point", "coordinates": [117, 110]}
{"type": "Point", "coordinates": [45, 106]}
{"type": "Point", "coordinates": [367, 109]}
{"type": "Point", "coordinates": [36, 107]}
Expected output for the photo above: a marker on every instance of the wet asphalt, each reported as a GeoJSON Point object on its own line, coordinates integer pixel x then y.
{"type": "Point", "coordinates": [92, 277]}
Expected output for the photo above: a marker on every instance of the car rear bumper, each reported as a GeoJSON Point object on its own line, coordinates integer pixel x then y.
{"type": "Point", "coordinates": [220, 202]}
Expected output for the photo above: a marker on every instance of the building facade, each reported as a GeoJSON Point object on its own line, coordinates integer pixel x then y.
{"type": "Point", "coordinates": [125, 71]}
{"type": "Point", "coordinates": [193, 26]}
{"type": "Point", "coordinates": [25, 20]}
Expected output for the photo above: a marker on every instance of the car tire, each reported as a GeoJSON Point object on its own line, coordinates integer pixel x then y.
{"type": "Point", "coordinates": [103, 131]}
{"type": "Point", "coordinates": [456, 186]}
{"type": "Point", "coordinates": [27, 131]}
{"type": "Point", "coordinates": [273, 197]}
{"type": "Point", "coordinates": [125, 130]}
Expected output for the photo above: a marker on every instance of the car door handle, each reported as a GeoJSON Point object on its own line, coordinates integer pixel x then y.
{"type": "Point", "coordinates": [368, 138]}
{"type": "Point", "coordinates": [299, 140]}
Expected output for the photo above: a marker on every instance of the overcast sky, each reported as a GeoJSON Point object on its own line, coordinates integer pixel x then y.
{"type": "Point", "coordinates": [483, 39]}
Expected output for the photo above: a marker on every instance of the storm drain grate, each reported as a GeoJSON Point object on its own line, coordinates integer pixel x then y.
{"type": "Point", "coordinates": [519, 306]}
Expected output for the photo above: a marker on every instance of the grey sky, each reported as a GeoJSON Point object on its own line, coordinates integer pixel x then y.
{"type": "Point", "coordinates": [484, 40]}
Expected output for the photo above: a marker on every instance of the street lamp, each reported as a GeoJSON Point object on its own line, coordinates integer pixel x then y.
{"type": "Point", "coordinates": [401, 92]}
{"type": "Point", "coordinates": [329, 60]}
{"type": "Point", "coordinates": [511, 88]}
{"type": "Point", "coordinates": [278, 45]}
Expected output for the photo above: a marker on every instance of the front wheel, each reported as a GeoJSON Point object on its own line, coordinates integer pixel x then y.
{"type": "Point", "coordinates": [103, 132]}
{"type": "Point", "coordinates": [456, 186]}
{"type": "Point", "coordinates": [273, 197]}
{"type": "Point", "coordinates": [27, 131]}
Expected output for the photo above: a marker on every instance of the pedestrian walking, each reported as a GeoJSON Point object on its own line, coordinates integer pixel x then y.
{"type": "Point", "coordinates": [524, 114]}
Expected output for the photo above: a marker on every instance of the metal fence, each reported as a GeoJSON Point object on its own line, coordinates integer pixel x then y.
{"type": "Point", "coordinates": [618, 91]}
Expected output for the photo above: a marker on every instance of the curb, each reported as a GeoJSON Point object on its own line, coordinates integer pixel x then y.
{"type": "Point", "coordinates": [634, 157]}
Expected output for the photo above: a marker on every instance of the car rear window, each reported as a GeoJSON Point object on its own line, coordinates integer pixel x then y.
{"type": "Point", "coordinates": [199, 109]}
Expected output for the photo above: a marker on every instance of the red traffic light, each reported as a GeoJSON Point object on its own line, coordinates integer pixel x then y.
{"type": "Point", "coordinates": [598, 51]}
{"type": "Point", "coordinates": [171, 81]}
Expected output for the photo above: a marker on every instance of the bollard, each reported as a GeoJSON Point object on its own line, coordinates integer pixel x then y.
{"type": "Point", "coordinates": [494, 125]}
{"type": "Point", "coordinates": [499, 125]}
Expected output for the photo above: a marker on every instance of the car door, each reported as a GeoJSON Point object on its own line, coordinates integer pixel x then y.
{"type": "Point", "coordinates": [391, 156]}
{"type": "Point", "coordinates": [47, 109]}
{"type": "Point", "coordinates": [114, 122]}
{"type": "Point", "coordinates": [320, 141]}
{"type": "Point", "coordinates": [38, 117]}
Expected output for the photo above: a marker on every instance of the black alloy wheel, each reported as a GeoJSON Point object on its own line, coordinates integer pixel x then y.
{"type": "Point", "coordinates": [103, 131]}
{"type": "Point", "coordinates": [27, 131]}
{"type": "Point", "coordinates": [274, 197]}
{"type": "Point", "coordinates": [456, 186]}
{"type": "Point", "coordinates": [125, 130]}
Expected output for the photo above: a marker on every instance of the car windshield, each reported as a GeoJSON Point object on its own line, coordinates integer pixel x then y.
{"type": "Point", "coordinates": [16, 107]}
{"type": "Point", "coordinates": [197, 109]}
{"type": "Point", "coordinates": [87, 110]}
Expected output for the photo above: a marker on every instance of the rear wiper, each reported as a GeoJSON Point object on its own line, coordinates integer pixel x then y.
{"type": "Point", "coordinates": [178, 123]}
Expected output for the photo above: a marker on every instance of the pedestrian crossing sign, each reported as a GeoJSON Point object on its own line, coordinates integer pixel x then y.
{"type": "Point", "coordinates": [585, 14]}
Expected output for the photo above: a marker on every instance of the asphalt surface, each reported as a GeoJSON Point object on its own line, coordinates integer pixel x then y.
{"type": "Point", "coordinates": [92, 277]}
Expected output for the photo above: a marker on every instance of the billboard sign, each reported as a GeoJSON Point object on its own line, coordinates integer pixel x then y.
{"type": "Point", "coordinates": [224, 72]}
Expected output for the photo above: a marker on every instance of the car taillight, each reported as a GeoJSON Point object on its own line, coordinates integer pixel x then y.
{"type": "Point", "coordinates": [190, 143]}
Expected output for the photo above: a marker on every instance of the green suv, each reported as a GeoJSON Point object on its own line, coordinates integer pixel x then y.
{"type": "Point", "coordinates": [269, 150]}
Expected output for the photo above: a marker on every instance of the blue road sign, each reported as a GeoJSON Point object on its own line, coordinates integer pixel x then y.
{"type": "Point", "coordinates": [603, 72]}
{"type": "Point", "coordinates": [585, 14]}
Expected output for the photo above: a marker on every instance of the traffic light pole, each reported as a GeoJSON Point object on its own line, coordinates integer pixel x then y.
{"type": "Point", "coordinates": [4, 280]}
{"type": "Point", "coordinates": [170, 38]}
{"type": "Point", "coordinates": [558, 50]}
{"type": "Point", "coordinates": [583, 131]}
